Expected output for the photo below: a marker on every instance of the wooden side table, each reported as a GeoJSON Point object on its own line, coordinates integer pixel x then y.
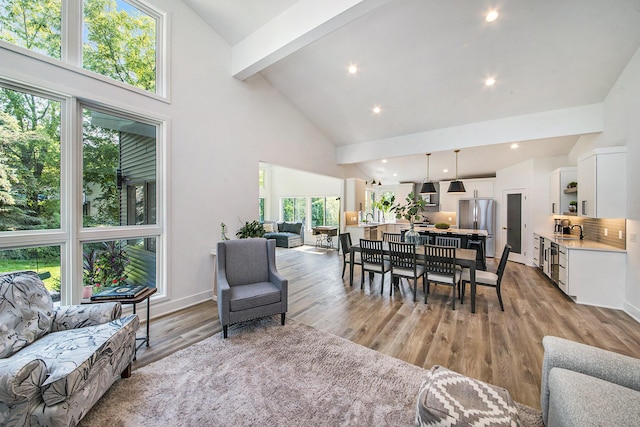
{"type": "Point", "coordinates": [134, 301]}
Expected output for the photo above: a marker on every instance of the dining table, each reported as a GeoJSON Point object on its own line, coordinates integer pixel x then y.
{"type": "Point", "coordinates": [465, 258]}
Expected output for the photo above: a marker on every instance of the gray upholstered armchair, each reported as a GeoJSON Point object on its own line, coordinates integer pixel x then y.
{"type": "Point", "coordinates": [249, 286]}
{"type": "Point", "coordinates": [588, 386]}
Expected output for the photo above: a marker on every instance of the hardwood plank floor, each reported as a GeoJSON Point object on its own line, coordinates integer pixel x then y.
{"type": "Point", "coordinates": [502, 348]}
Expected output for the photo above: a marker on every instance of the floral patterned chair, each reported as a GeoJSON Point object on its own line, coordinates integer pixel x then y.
{"type": "Point", "coordinates": [55, 363]}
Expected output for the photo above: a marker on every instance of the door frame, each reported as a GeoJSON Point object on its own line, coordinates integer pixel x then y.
{"type": "Point", "coordinates": [520, 258]}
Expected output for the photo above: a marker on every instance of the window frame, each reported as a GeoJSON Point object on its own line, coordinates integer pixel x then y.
{"type": "Point", "coordinates": [71, 49]}
{"type": "Point", "coordinates": [72, 235]}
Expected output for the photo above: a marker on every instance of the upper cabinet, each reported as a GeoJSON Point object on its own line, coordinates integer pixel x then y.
{"type": "Point", "coordinates": [602, 183]}
{"type": "Point", "coordinates": [354, 195]}
{"type": "Point", "coordinates": [561, 195]}
{"type": "Point", "coordinates": [474, 188]}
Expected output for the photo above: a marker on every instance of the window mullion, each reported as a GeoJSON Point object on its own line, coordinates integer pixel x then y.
{"type": "Point", "coordinates": [72, 32]}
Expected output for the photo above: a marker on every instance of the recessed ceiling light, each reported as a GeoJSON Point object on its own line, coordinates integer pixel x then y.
{"type": "Point", "coordinates": [377, 109]}
{"type": "Point", "coordinates": [514, 145]}
{"type": "Point", "coordinates": [445, 170]}
{"type": "Point", "coordinates": [490, 81]}
{"type": "Point", "coordinates": [353, 69]}
{"type": "Point", "coordinates": [384, 160]}
{"type": "Point", "coordinates": [395, 174]}
{"type": "Point", "coordinates": [492, 16]}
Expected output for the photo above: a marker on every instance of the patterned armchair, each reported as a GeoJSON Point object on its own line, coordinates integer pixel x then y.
{"type": "Point", "coordinates": [55, 363]}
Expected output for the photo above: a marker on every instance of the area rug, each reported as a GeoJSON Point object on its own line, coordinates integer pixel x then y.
{"type": "Point", "coordinates": [268, 375]}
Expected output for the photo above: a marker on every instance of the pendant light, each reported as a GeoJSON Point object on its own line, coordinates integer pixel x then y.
{"type": "Point", "coordinates": [427, 186]}
{"type": "Point", "coordinates": [456, 186]}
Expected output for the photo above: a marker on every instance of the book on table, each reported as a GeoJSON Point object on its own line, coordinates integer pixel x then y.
{"type": "Point", "coordinates": [118, 292]}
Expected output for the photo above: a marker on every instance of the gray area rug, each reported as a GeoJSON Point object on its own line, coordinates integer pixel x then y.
{"type": "Point", "coordinates": [267, 374]}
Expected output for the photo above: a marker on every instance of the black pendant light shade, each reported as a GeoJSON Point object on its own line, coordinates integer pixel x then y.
{"type": "Point", "coordinates": [456, 186]}
{"type": "Point", "coordinates": [428, 187]}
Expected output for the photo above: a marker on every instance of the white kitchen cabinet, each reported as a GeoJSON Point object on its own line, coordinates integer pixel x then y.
{"type": "Point", "coordinates": [354, 195]}
{"type": "Point", "coordinates": [595, 277]}
{"type": "Point", "coordinates": [560, 178]}
{"type": "Point", "coordinates": [402, 192]}
{"type": "Point", "coordinates": [602, 183]}
{"type": "Point", "coordinates": [563, 270]}
{"type": "Point", "coordinates": [474, 188]}
{"type": "Point", "coordinates": [536, 250]}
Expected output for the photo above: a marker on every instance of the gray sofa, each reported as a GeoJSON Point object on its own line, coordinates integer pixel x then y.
{"type": "Point", "coordinates": [286, 234]}
{"type": "Point", "coordinates": [587, 386]}
{"type": "Point", "coordinates": [55, 363]}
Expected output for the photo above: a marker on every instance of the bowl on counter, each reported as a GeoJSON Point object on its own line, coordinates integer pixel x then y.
{"type": "Point", "coordinates": [442, 225]}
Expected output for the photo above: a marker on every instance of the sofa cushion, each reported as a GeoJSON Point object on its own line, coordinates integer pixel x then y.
{"type": "Point", "coordinates": [72, 357]}
{"type": "Point", "coordinates": [452, 399]}
{"type": "Point", "coordinates": [291, 227]}
{"type": "Point", "coordinates": [268, 227]}
{"type": "Point", "coordinates": [26, 311]}
{"type": "Point", "coordinates": [253, 295]}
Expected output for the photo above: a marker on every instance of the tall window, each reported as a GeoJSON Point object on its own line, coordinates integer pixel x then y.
{"type": "Point", "coordinates": [117, 213]}
{"type": "Point", "coordinates": [294, 209]}
{"type": "Point", "coordinates": [119, 39]}
{"type": "Point", "coordinates": [325, 211]}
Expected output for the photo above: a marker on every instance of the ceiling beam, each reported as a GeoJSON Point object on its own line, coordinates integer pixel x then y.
{"type": "Point", "coordinates": [570, 121]}
{"type": "Point", "coordinates": [303, 23]}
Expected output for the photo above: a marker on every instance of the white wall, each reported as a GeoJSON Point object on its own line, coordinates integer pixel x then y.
{"type": "Point", "coordinates": [622, 128]}
{"type": "Point", "coordinates": [219, 129]}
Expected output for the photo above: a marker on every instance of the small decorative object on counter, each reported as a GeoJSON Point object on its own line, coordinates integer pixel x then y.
{"type": "Point", "coordinates": [223, 231]}
{"type": "Point", "coordinates": [441, 225]}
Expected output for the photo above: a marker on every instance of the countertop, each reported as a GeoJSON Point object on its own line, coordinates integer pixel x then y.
{"type": "Point", "coordinates": [453, 230]}
{"type": "Point", "coordinates": [576, 243]}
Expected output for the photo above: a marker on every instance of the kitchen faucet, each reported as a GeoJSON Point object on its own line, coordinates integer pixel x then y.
{"type": "Point", "coordinates": [581, 230]}
{"type": "Point", "coordinates": [367, 216]}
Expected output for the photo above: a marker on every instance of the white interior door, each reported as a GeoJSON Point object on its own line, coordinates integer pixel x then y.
{"type": "Point", "coordinates": [514, 224]}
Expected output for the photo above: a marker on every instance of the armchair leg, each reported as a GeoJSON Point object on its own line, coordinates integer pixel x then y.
{"type": "Point", "coordinates": [224, 331]}
{"type": "Point", "coordinates": [282, 317]}
{"type": "Point", "coordinates": [127, 372]}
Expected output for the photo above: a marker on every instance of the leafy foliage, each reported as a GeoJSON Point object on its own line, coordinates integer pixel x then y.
{"type": "Point", "coordinates": [105, 267]}
{"type": "Point", "coordinates": [250, 229]}
{"type": "Point", "coordinates": [385, 203]}
{"type": "Point", "coordinates": [411, 209]}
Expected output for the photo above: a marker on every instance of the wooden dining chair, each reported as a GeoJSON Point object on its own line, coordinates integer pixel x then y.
{"type": "Point", "coordinates": [345, 246]}
{"type": "Point", "coordinates": [373, 261]}
{"type": "Point", "coordinates": [441, 268]}
{"type": "Point", "coordinates": [450, 242]}
{"type": "Point", "coordinates": [404, 264]}
{"type": "Point", "coordinates": [487, 278]}
{"type": "Point", "coordinates": [391, 237]}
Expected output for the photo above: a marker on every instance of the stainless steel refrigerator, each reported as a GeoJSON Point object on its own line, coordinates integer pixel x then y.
{"type": "Point", "coordinates": [479, 214]}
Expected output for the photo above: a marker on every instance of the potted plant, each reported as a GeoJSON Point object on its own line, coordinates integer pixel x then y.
{"type": "Point", "coordinates": [573, 206]}
{"type": "Point", "coordinates": [572, 184]}
{"type": "Point", "coordinates": [250, 229]}
{"type": "Point", "coordinates": [411, 212]}
{"type": "Point", "coordinates": [385, 204]}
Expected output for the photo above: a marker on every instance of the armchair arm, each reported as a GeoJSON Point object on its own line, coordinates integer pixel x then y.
{"type": "Point", "coordinates": [224, 295]}
{"type": "Point", "coordinates": [596, 362]}
{"type": "Point", "coordinates": [80, 316]}
{"type": "Point", "coordinates": [20, 380]}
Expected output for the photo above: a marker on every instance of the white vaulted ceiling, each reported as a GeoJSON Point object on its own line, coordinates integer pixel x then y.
{"type": "Point", "coordinates": [424, 62]}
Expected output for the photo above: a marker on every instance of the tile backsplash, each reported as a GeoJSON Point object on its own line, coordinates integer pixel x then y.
{"type": "Point", "coordinates": [594, 230]}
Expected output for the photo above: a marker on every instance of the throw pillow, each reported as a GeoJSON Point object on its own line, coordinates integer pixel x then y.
{"type": "Point", "coordinates": [447, 398]}
{"type": "Point", "coordinates": [268, 227]}
{"type": "Point", "coordinates": [26, 311]}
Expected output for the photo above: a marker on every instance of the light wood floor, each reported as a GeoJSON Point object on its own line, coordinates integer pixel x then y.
{"type": "Point", "coordinates": [503, 348]}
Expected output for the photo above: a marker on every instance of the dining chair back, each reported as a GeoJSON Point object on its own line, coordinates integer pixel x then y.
{"type": "Point", "coordinates": [345, 246]}
{"type": "Point", "coordinates": [450, 242]}
{"type": "Point", "coordinates": [440, 264]}
{"type": "Point", "coordinates": [391, 237]}
{"type": "Point", "coordinates": [373, 261]}
{"type": "Point", "coordinates": [474, 241]}
{"type": "Point", "coordinates": [404, 264]}
{"type": "Point", "coordinates": [487, 278]}
{"type": "Point", "coordinates": [425, 239]}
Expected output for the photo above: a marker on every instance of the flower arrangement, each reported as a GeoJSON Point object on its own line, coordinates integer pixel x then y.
{"type": "Point", "coordinates": [250, 229]}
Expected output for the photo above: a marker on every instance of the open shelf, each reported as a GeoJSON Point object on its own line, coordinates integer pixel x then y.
{"type": "Point", "coordinates": [570, 190]}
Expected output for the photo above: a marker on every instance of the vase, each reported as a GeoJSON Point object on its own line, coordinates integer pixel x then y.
{"type": "Point", "coordinates": [411, 235]}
